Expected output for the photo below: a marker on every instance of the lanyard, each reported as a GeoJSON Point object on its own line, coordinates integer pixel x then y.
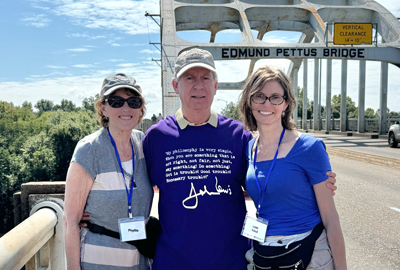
{"type": "Point", "coordinates": [133, 184]}
{"type": "Point", "coordinates": [261, 192]}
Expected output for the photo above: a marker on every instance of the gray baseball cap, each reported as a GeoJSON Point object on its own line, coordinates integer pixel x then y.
{"type": "Point", "coordinates": [117, 81]}
{"type": "Point", "coordinates": [194, 58]}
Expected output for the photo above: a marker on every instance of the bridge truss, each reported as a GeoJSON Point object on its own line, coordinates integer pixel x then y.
{"type": "Point", "coordinates": [312, 18]}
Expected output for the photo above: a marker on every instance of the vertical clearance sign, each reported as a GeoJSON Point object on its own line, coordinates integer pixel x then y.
{"type": "Point", "coordinates": [352, 33]}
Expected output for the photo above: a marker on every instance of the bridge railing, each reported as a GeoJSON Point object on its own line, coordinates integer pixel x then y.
{"type": "Point", "coordinates": [37, 242]}
{"type": "Point", "coordinates": [371, 124]}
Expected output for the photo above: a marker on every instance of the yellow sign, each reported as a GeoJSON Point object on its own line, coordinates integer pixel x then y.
{"type": "Point", "coordinates": [352, 33]}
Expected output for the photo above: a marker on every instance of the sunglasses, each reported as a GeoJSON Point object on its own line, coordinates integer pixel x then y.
{"type": "Point", "coordinates": [275, 99]}
{"type": "Point", "coordinates": [118, 102]}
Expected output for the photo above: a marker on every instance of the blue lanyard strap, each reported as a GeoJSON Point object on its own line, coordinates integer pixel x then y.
{"type": "Point", "coordinates": [262, 191]}
{"type": "Point", "coordinates": [133, 184]}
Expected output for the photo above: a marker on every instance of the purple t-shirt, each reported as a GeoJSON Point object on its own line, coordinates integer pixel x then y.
{"type": "Point", "coordinates": [199, 171]}
{"type": "Point", "coordinates": [289, 202]}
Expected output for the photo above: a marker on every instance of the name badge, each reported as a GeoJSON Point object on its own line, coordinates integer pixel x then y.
{"type": "Point", "coordinates": [255, 229]}
{"type": "Point", "coordinates": [131, 229]}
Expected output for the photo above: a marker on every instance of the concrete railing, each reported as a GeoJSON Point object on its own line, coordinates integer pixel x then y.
{"type": "Point", "coordinates": [38, 241]}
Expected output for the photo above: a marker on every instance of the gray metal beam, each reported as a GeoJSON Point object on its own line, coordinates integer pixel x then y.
{"type": "Point", "coordinates": [316, 87]}
{"type": "Point", "coordinates": [301, 51]}
{"type": "Point", "coordinates": [343, 98]}
{"type": "Point", "coordinates": [305, 76]}
{"type": "Point", "coordinates": [296, 93]}
{"type": "Point", "coordinates": [383, 128]}
{"type": "Point", "coordinates": [328, 94]}
{"type": "Point", "coordinates": [361, 97]}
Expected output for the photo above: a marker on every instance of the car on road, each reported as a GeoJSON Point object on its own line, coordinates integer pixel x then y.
{"type": "Point", "coordinates": [394, 134]}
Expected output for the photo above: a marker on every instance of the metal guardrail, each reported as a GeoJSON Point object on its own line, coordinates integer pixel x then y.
{"type": "Point", "coordinates": [371, 124]}
{"type": "Point", "coordinates": [37, 242]}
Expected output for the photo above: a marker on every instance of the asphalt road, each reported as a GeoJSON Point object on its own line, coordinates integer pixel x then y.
{"type": "Point", "coordinates": [368, 203]}
{"type": "Point", "coordinates": [360, 144]}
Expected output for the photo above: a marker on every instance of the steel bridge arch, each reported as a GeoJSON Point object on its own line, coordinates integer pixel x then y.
{"type": "Point", "coordinates": [310, 17]}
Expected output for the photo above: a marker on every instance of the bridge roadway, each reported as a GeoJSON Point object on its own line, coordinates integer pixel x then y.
{"type": "Point", "coordinates": [360, 145]}
{"type": "Point", "coordinates": [367, 199]}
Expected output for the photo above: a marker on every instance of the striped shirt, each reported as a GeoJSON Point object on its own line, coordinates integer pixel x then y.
{"type": "Point", "coordinates": [107, 202]}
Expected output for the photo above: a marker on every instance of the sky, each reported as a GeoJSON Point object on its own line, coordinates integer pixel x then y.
{"type": "Point", "coordinates": [63, 49]}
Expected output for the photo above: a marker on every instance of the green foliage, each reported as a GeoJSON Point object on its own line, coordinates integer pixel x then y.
{"type": "Point", "coordinates": [37, 160]}
{"type": "Point", "coordinates": [393, 114]}
{"type": "Point", "coordinates": [6, 191]}
{"type": "Point", "coordinates": [38, 146]}
{"type": "Point", "coordinates": [15, 122]}
{"type": "Point", "coordinates": [68, 129]}
{"type": "Point", "coordinates": [370, 113]}
{"type": "Point", "coordinates": [44, 105]}
{"type": "Point", "coordinates": [66, 106]}
{"type": "Point", "coordinates": [353, 114]}
{"type": "Point", "coordinates": [232, 111]}
{"type": "Point", "coordinates": [27, 105]}
{"type": "Point", "coordinates": [88, 103]}
{"type": "Point", "coordinates": [351, 109]}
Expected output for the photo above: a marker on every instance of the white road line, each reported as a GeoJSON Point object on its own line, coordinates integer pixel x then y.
{"type": "Point", "coordinates": [395, 209]}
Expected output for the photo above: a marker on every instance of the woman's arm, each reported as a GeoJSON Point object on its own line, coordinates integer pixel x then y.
{"type": "Point", "coordinates": [78, 185]}
{"type": "Point", "coordinates": [330, 218]}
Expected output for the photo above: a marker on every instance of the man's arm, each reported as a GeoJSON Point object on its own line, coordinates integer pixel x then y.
{"type": "Point", "coordinates": [330, 182]}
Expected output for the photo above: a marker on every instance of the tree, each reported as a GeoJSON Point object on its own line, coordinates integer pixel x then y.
{"type": "Point", "coordinates": [389, 114]}
{"type": "Point", "coordinates": [393, 114]}
{"type": "Point", "coordinates": [353, 114]}
{"type": "Point", "coordinates": [37, 146]}
{"type": "Point", "coordinates": [350, 106]}
{"type": "Point", "coordinates": [370, 113]}
{"type": "Point", "coordinates": [65, 106]}
{"type": "Point", "coordinates": [67, 128]}
{"type": "Point", "coordinates": [44, 105]}
{"type": "Point", "coordinates": [6, 192]}
{"type": "Point", "coordinates": [27, 105]}
{"type": "Point", "coordinates": [88, 103]}
{"type": "Point", "coordinates": [232, 111]}
{"type": "Point", "coordinates": [15, 124]}
{"type": "Point", "coordinates": [38, 159]}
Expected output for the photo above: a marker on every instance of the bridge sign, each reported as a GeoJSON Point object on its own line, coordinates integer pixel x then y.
{"type": "Point", "coordinates": [352, 33]}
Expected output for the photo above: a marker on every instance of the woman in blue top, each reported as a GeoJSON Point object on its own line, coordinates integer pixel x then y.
{"type": "Point", "coordinates": [285, 179]}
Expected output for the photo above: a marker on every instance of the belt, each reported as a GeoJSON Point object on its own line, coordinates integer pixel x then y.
{"type": "Point", "coordinates": [101, 230]}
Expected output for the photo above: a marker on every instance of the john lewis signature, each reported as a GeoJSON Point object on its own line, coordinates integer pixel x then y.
{"type": "Point", "coordinates": [194, 195]}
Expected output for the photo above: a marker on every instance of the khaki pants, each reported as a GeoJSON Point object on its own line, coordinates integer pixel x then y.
{"type": "Point", "coordinates": [322, 257]}
{"type": "Point", "coordinates": [320, 260]}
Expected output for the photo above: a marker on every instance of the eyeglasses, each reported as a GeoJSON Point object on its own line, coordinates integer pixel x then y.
{"type": "Point", "coordinates": [118, 102]}
{"type": "Point", "coordinates": [275, 99]}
